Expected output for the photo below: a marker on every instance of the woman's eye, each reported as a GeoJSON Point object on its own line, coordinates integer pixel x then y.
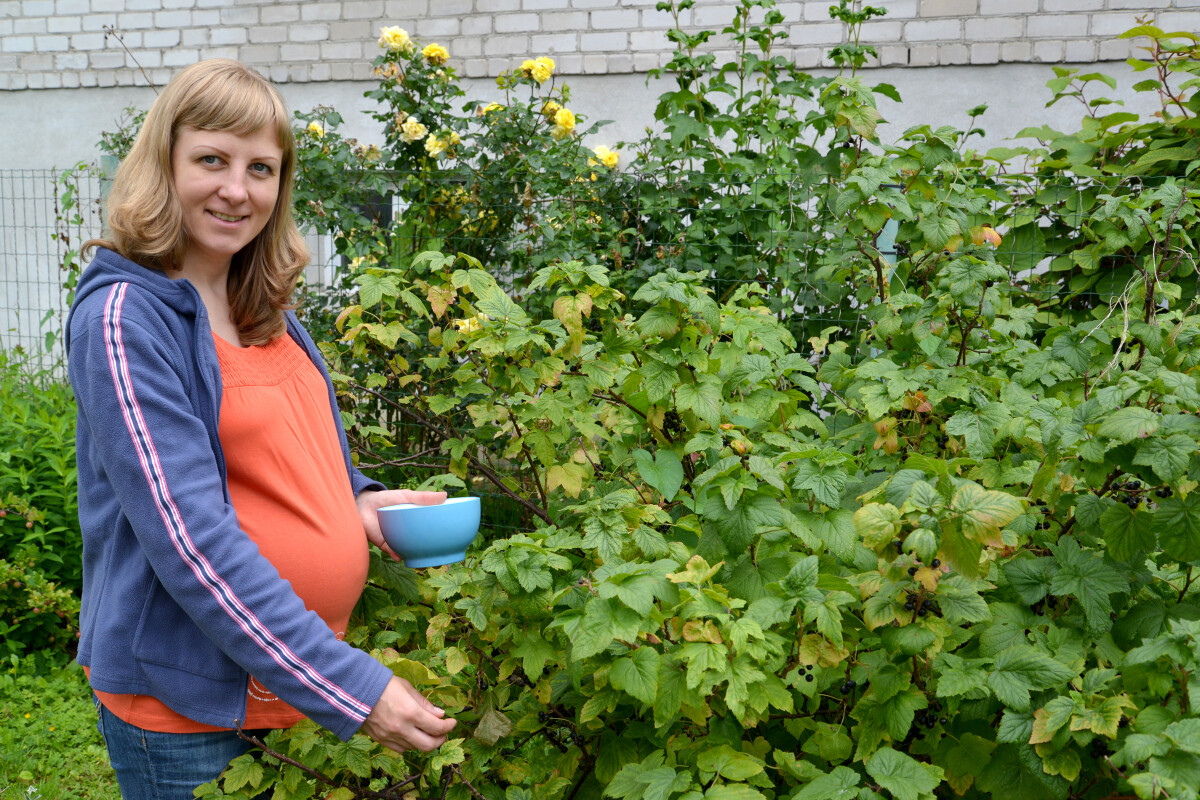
{"type": "Point", "coordinates": [262, 169]}
{"type": "Point", "coordinates": [209, 160]}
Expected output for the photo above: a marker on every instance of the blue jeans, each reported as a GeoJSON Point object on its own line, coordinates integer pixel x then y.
{"type": "Point", "coordinates": [166, 766]}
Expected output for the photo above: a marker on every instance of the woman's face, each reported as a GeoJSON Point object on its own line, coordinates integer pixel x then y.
{"type": "Point", "coordinates": [227, 184]}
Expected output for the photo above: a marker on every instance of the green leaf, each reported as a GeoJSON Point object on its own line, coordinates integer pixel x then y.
{"type": "Point", "coordinates": [1178, 524]}
{"type": "Point", "coordinates": [1007, 777]}
{"type": "Point", "coordinates": [1030, 577]}
{"type": "Point", "coordinates": [733, 792]}
{"type": "Point", "coordinates": [1020, 669]}
{"type": "Point", "coordinates": [535, 651]}
{"type": "Point", "coordinates": [961, 602]}
{"type": "Point", "coordinates": [1085, 575]}
{"type": "Point", "coordinates": [962, 553]}
{"type": "Point", "coordinates": [840, 784]}
{"type": "Point", "coordinates": [1127, 532]}
{"type": "Point", "coordinates": [373, 288]}
{"type": "Point", "coordinates": [658, 322]}
{"type": "Point", "coordinates": [1129, 423]}
{"type": "Point", "coordinates": [702, 398]}
{"type": "Point", "coordinates": [658, 379]}
{"type": "Point", "coordinates": [908, 640]}
{"type": "Point", "coordinates": [1168, 456]}
{"type": "Point", "coordinates": [825, 481]}
{"type": "Point", "coordinates": [663, 471]}
{"type": "Point", "coordinates": [490, 299]}
{"type": "Point", "coordinates": [730, 764]}
{"type": "Point", "coordinates": [979, 429]}
{"type": "Point", "coordinates": [637, 674]}
{"type": "Point", "coordinates": [242, 771]}
{"type": "Point", "coordinates": [938, 230]}
{"type": "Point", "coordinates": [903, 776]}
{"type": "Point", "coordinates": [737, 527]}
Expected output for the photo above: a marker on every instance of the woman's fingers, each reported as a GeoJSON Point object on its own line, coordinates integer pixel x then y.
{"type": "Point", "coordinates": [404, 719]}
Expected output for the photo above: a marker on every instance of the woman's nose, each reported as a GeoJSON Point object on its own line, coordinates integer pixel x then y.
{"type": "Point", "coordinates": [233, 189]}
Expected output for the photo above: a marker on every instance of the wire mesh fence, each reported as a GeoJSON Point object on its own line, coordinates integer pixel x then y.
{"type": "Point", "coordinates": [45, 217]}
{"type": "Point", "coordinates": [33, 225]}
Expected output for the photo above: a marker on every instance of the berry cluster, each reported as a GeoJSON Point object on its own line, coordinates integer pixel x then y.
{"type": "Point", "coordinates": [672, 423]}
{"type": "Point", "coordinates": [806, 671]}
{"type": "Point", "coordinates": [1049, 602]}
{"type": "Point", "coordinates": [914, 602]}
{"type": "Point", "coordinates": [931, 716]}
{"type": "Point", "coordinates": [1132, 499]}
{"type": "Point", "coordinates": [1099, 748]}
{"type": "Point", "coordinates": [1163, 492]}
{"type": "Point", "coordinates": [848, 686]}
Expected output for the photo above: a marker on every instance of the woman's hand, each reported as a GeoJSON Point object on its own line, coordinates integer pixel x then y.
{"type": "Point", "coordinates": [370, 502]}
{"type": "Point", "coordinates": [404, 719]}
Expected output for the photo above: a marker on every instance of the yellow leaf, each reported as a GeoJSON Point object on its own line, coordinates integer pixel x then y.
{"type": "Point", "coordinates": [984, 512]}
{"type": "Point", "coordinates": [440, 298]}
{"type": "Point", "coordinates": [1040, 734]}
{"type": "Point", "coordinates": [816, 649]}
{"type": "Point", "coordinates": [702, 631]}
{"type": "Point", "coordinates": [346, 312]}
{"type": "Point", "coordinates": [569, 476]}
{"type": "Point", "coordinates": [697, 571]}
{"type": "Point", "coordinates": [928, 578]}
{"type": "Point", "coordinates": [456, 660]}
{"type": "Point", "coordinates": [877, 524]}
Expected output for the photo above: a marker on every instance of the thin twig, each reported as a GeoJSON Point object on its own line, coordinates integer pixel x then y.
{"type": "Point", "coordinates": [475, 461]}
{"type": "Point", "coordinates": [466, 782]}
{"type": "Point", "coordinates": [111, 30]}
{"type": "Point", "coordinates": [388, 794]}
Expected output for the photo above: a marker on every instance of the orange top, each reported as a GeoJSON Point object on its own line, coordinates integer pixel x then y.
{"type": "Point", "coordinates": [275, 426]}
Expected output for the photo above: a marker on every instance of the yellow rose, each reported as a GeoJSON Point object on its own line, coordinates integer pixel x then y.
{"type": "Point", "coordinates": [316, 130]}
{"type": "Point", "coordinates": [564, 123]}
{"type": "Point", "coordinates": [412, 130]}
{"type": "Point", "coordinates": [396, 40]}
{"type": "Point", "coordinates": [435, 145]}
{"type": "Point", "coordinates": [435, 54]}
{"type": "Point", "coordinates": [608, 158]}
{"type": "Point", "coordinates": [542, 69]}
{"type": "Point", "coordinates": [468, 325]}
{"type": "Point", "coordinates": [550, 109]}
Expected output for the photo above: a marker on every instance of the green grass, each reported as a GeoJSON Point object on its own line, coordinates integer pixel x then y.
{"type": "Point", "coordinates": [49, 746]}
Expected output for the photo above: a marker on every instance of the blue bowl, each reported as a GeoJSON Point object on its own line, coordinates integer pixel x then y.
{"type": "Point", "coordinates": [429, 536]}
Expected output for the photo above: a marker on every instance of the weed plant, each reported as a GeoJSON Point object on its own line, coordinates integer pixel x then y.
{"type": "Point", "coordinates": [49, 746]}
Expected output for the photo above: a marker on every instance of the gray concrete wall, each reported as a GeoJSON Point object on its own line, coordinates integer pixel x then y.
{"type": "Point", "coordinates": [57, 128]}
{"type": "Point", "coordinates": [64, 76]}
{"type": "Point", "coordinates": [74, 43]}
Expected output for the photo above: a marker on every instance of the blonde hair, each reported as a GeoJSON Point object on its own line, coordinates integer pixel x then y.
{"type": "Point", "coordinates": [145, 218]}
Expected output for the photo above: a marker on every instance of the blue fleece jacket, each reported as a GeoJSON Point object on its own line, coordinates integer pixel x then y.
{"type": "Point", "coordinates": [178, 603]}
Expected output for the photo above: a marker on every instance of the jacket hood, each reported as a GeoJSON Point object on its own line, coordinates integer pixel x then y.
{"type": "Point", "coordinates": [107, 268]}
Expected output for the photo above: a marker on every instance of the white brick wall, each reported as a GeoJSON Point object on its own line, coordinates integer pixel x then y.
{"type": "Point", "coordinates": [46, 43]}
